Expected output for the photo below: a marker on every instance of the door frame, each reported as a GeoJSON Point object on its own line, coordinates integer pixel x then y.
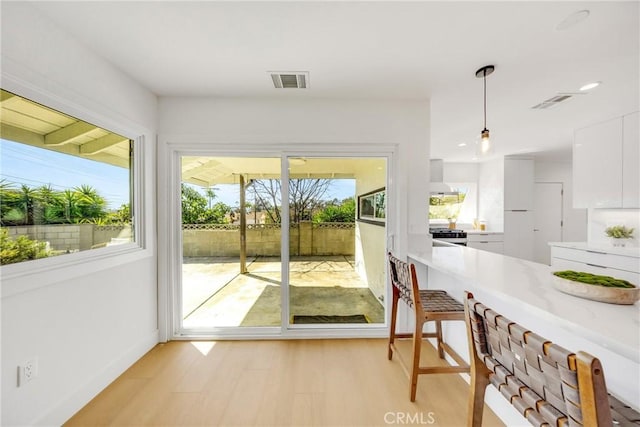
{"type": "Point", "coordinates": [170, 242]}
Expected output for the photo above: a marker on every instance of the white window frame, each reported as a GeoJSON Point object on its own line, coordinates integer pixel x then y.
{"type": "Point", "coordinates": [29, 275]}
{"type": "Point", "coordinates": [170, 324]}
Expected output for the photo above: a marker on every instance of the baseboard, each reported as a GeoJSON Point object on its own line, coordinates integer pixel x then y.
{"type": "Point", "coordinates": [74, 402]}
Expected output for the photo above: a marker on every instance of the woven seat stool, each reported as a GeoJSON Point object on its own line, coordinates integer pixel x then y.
{"type": "Point", "coordinates": [428, 306]}
{"type": "Point", "coordinates": [547, 384]}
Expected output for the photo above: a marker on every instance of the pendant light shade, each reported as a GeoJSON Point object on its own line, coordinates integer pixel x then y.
{"type": "Point", "coordinates": [484, 146]}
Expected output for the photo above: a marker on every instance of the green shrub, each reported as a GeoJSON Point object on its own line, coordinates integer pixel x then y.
{"type": "Point", "coordinates": [20, 249]}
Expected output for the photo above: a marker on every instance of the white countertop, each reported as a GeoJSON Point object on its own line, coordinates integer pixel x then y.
{"type": "Point", "coordinates": [528, 285]}
{"type": "Point", "coordinates": [626, 251]}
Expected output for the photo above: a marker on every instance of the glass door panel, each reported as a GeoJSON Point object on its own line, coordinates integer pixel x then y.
{"type": "Point", "coordinates": [336, 259]}
{"type": "Point", "coordinates": [231, 265]}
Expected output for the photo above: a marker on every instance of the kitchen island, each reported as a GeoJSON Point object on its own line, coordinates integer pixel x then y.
{"type": "Point", "coordinates": [523, 292]}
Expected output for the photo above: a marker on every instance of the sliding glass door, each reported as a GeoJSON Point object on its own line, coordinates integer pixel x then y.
{"type": "Point", "coordinates": [336, 261]}
{"type": "Point", "coordinates": [273, 244]}
{"type": "Point", "coordinates": [231, 264]}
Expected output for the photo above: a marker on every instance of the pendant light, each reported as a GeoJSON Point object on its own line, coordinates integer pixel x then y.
{"type": "Point", "coordinates": [484, 145]}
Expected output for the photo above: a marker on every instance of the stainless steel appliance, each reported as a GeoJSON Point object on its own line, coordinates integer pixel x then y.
{"type": "Point", "coordinates": [457, 237]}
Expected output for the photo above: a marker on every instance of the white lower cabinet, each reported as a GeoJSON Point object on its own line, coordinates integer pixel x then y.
{"type": "Point", "coordinates": [596, 262]}
{"type": "Point", "coordinates": [491, 242]}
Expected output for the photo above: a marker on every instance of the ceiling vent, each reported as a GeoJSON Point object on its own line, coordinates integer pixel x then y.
{"type": "Point", "coordinates": [553, 101]}
{"type": "Point", "coordinates": [290, 79]}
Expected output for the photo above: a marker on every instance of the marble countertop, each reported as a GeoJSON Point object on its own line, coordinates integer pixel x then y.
{"type": "Point", "coordinates": [528, 286]}
{"type": "Point", "coordinates": [626, 251]}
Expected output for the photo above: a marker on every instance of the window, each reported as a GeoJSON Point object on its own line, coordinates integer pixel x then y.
{"type": "Point", "coordinates": [65, 184]}
{"type": "Point", "coordinates": [459, 207]}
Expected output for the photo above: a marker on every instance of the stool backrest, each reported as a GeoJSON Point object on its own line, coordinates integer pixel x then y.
{"type": "Point", "coordinates": [543, 381]}
{"type": "Point", "coordinates": [404, 280]}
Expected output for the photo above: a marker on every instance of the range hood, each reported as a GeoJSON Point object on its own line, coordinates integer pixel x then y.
{"type": "Point", "coordinates": [437, 185]}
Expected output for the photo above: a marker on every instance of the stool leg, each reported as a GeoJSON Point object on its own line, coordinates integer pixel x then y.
{"type": "Point", "coordinates": [439, 338]}
{"type": "Point", "coordinates": [392, 327]}
{"type": "Point", "coordinates": [478, 386]}
{"type": "Point", "coordinates": [417, 347]}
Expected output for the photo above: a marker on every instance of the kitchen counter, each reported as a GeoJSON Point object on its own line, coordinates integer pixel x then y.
{"type": "Point", "coordinates": [522, 291]}
{"type": "Point", "coordinates": [626, 251]}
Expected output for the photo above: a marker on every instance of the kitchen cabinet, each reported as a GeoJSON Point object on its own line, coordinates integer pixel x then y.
{"type": "Point", "coordinates": [630, 159]}
{"type": "Point", "coordinates": [605, 164]}
{"type": "Point", "coordinates": [518, 234]}
{"type": "Point", "coordinates": [596, 261]}
{"type": "Point", "coordinates": [519, 180]}
{"type": "Point", "coordinates": [491, 242]}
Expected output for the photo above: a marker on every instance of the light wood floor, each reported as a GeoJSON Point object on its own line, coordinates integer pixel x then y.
{"type": "Point", "coordinates": [277, 383]}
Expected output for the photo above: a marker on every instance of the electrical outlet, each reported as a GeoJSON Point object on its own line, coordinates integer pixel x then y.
{"type": "Point", "coordinates": [27, 371]}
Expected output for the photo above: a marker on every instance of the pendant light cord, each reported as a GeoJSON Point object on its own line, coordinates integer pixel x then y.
{"type": "Point", "coordinates": [485, 97]}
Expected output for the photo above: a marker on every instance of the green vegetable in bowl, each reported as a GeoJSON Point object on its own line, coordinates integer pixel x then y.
{"type": "Point", "coordinates": [594, 279]}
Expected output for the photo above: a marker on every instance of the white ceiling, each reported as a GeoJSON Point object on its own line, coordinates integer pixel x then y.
{"type": "Point", "coordinates": [385, 50]}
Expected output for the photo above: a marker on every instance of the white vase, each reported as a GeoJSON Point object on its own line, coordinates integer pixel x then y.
{"type": "Point", "coordinates": [619, 243]}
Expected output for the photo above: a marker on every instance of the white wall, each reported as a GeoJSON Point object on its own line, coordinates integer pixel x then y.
{"type": "Point", "coordinates": [311, 125]}
{"type": "Point", "coordinates": [371, 239]}
{"type": "Point", "coordinates": [86, 323]}
{"type": "Point", "coordinates": [574, 220]}
{"type": "Point", "coordinates": [491, 194]}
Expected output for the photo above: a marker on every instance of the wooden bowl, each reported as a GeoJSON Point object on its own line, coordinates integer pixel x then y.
{"type": "Point", "coordinates": [626, 296]}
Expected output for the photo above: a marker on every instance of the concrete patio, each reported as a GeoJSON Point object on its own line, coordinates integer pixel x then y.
{"type": "Point", "coordinates": [215, 294]}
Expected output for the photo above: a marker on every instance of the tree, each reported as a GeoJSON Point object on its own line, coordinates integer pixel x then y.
{"type": "Point", "coordinates": [90, 204]}
{"type": "Point", "coordinates": [210, 195]}
{"type": "Point", "coordinates": [48, 201]}
{"type": "Point", "coordinates": [69, 205]}
{"type": "Point", "coordinates": [195, 210]}
{"type": "Point", "coordinates": [8, 198]}
{"type": "Point", "coordinates": [121, 215]}
{"type": "Point", "coordinates": [27, 197]}
{"type": "Point", "coordinates": [344, 211]}
{"type": "Point", "coordinates": [305, 195]}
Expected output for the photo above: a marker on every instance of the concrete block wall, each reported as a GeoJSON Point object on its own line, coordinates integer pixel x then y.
{"type": "Point", "coordinates": [304, 239]}
{"type": "Point", "coordinates": [69, 237]}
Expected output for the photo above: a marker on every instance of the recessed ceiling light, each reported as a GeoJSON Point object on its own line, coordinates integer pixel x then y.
{"type": "Point", "coordinates": [462, 144]}
{"type": "Point", "coordinates": [573, 19]}
{"type": "Point", "coordinates": [589, 86]}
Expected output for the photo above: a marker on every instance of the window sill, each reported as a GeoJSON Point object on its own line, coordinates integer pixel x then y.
{"type": "Point", "coordinates": [30, 275]}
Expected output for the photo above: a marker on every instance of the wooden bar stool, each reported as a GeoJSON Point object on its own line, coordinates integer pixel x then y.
{"type": "Point", "coordinates": [427, 305]}
{"type": "Point", "coordinates": [547, 384]}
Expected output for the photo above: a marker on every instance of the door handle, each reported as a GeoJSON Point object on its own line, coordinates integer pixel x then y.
{"type": "Point", "coordinates": [595, 265]}
{"type": "Point", "coordinates": [536, 229]}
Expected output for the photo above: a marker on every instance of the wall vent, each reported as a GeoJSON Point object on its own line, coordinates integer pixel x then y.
{"type": "Point", "coordinates": [555, 100]}
{"type": "Point", "coordinates": [290, 79]}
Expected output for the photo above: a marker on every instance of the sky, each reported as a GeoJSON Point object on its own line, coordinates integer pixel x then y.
{"type": "Point", "coordinates": [35, 167]}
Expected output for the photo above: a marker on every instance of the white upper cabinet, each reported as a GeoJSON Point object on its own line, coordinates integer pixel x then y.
{"type": "Point", "coordinates": [519, 181]}
{"type": "Point", "coordinates": [597, 165]}
{"type": "Point", "coordinates": [631, 161]}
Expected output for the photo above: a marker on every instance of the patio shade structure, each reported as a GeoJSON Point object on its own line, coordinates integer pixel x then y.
{"type": "Point", "coordinates": [30, 123]}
